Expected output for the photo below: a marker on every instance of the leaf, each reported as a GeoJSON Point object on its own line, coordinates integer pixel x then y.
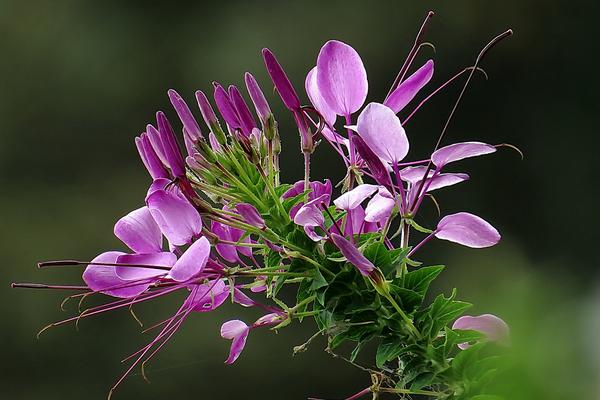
{"type": "Point", "coordinates": [379, 255]}
{"type": "Point", "coordinates": [318, 280]}
{"type": "Point", "coordinates": [409, 300]}
{"type": "Point", "coordinates": [440, 313]}
{"type": "Point", "coordinates": [420, 279]}
{"type": "Point", "coordinates": [391, 348]}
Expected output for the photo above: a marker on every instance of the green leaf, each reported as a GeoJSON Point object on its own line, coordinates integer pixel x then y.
{"type": "Point", "coordinates": [318, 280]}
{"type": "Point", "coordinates": [420, 279]}
{"type": "Point", "coordinates": [379, 255]}
{"type": "Point", "coordinates": [391, 348]}
{"type": "Point", "coordinates": [440, 313]}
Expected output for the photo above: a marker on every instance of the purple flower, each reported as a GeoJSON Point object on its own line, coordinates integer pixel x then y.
{"type": "Point", "coordinates": [354, 197]}
{"type": "Point", "coordinates": [226, 107]}
{"type": "Point", "coordinates": [317, 189]}
{"type": "Point", "coordinates": [468, 230]}
{"type": "Point", "coordinates": [378, 170]}
{"type": "Point", "coordinates": [236, 331]}
{"type": "Point", "coordinates": [460, 151]}
{"type": "Point", "coordinates": [250, 214]}
{"type": "Point", "coordinates": [382, 131]}
{"type": "Point", "coordinates": [281, 81]}
{"type": "Point", "coordinates": [353, 255]}
{"type": "Point", "coordinates": [258, 99]}
{"type": "Point", "coordinates": [380, 206]}
{"type": "Point", "coordinates": [149, 157]}
{"type": "Point", "coordinates": [314, 94]}
{"type": "Point", "coordinates": [169, 145]}
{"type": "Point", "coordinates": [208, 114]}
{"type": "Point", "coordinates": [208, 296]}
{"type": "Point", "coordinates": [310, 216]}
{"type": "Point", "coordinates": [341, 78]}
{"type": "Point", "coordinates": [494, 328]}
{"type": "Point", "coordinates": [245, 118]}
{"type": "Point", "coordinates": [192, 262]}
{"type": "Point", "coordinates": [408, 89]}
{"type": "Point", "coordinates": [139, 231]}
{"type": "Point", "coordinates": [185, 115]}
{"type": "Point", "coordinates": [178, 220]}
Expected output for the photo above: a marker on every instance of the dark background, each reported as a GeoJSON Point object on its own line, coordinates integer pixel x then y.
{"type": "Point", "coordinates": [79, 79]}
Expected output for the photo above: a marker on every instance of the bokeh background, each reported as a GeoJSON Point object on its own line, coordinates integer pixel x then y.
{"type": "Point", "coordinates": [79, 79]}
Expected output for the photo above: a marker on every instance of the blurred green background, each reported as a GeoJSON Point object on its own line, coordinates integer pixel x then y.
{"type": "Point", "coordinates": [79, 79]}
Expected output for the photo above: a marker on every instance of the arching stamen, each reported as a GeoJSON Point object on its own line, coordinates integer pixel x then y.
{"type": "Point", "coordinates": [324, 206]}
{"type": "Point", "coordinates": [411, 54]}
{"type": "Point", "coordinates": [480, 57]}
{"type": "Point", "coordinates": [439, 89]}
{"type": "Point", "coordinates": [511, 146]}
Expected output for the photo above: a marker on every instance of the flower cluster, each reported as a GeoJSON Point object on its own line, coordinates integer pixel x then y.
{"type": "Point", "coordinates": [217, 223]}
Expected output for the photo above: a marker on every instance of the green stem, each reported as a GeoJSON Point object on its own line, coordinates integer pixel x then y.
{"type": "Point", "coordinates": [405, 318]}
{"type": "Point", "coordinates": [408, 391]}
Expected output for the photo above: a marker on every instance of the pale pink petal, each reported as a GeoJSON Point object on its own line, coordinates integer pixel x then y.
{"type": "Point", "coordinates": [237, 331]}
{"type": "Point", "coordinates": [468, 230]}
{"type": "Point", "coordinates": [380, 207]}
{"type": "Point", "coordinates": [208, 296]}
{"type": "Point", "coordinates": [409, 88]}
{"type": "Point", "coordinates": [192, 262]}
{"type": "Point", "coordinates": [354, 197]}
{"type": "Point", "coordinates": [178, 220]}
{"type": "Point", "coordinates": [139, 231]}
{"type": "Point", "coordinates": [382, 131]}
{"type": "Point", "coordinates": [312, 89]}
{"type": "Point", "coordinates": [104, 279]}
{"type": "Point", "coordinates": [459, 151]}
{"type": "Point", "coordinates": [415, 174]}
{"type": "Point", "coordinates": [494, 328]}
{"type": "Point", "coordinates": [341, 77]}
{"type": "Point", "coordinates": [164, 259]}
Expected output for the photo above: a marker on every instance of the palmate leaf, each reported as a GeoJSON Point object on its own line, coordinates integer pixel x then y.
{"type": "Point", "coordinates": [440, 313]}
{"type": "Point", "coordinates": [420, 279]}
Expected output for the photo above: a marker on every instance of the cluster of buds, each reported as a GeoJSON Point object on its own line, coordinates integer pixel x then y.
{"type": "Point", "coordinates": [233, 230]}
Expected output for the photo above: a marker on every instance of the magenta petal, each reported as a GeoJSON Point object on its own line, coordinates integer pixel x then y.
{"type": "Point", "coordinates": [355, 221]}
{"type": "Point", "coordinates": [102, 278]}
{"type": "Point", "coordinates": [268, 319]}
{"type": "Point", "coordinates": [381, 130]}
{"type": "Point", "coordinates": [468, 230]}
{"type": "Point", "coordinates": [236, 236]}
{"type": "Point", "coordinates": [258, 98]}
{"type": "Point", "coordinates": [312, 89]}
{"type": "Point", "coordinates": [237, 331]}
{"type": "Point", "coordinates": [443, 180]}
{"type": "Point", "coordinates": [139, 231]}
{"type": "Point", "coordinates": [178, 220]}
{"type": "Point", "coordinates": [459, 151]}
{"type": "Point", "coordinates": [409, 88]}
{"type": "Point", "coordinates": [226, 107]}
{"type": "Point", "coordinates": [415, 174]}
{"type": "Point", "coordinates": [379, 207]}
{"type": "Point", "coordinates": [208, 114]}
{"type": "Point", "coordinates": [163, 259]}
{"type": "Point", "coordinates": [281, 81]}
{"type": "Point", "coordinates": [341, 77]}
{"type": "Point", "coordinates": [241, 107]}
{"type": "Point", "coordinates": [352, 254]}
{"type": "Point", "coordinates": [378, 169]}
{"type": "Point", "coordinates": [184, 113]}
{"type": "Point", "coordinates": [208, 296]}
{"type": "Point", "coordinates": [149, 158]}
{"type": "Point", "coordinates": [309, 215]}
{"type": "Point", "coordinates": [170, 146]}
{"type": "Point", "coordinates": [354, 197]}
{"type": "Point", "coordinates": [225, 250]}
{"type": "Point", "coordinates": [494, 328]}
{"type": "Point", "coordinates": [250, 214]}
{"type": "Point", "coordinates": [192, 262]}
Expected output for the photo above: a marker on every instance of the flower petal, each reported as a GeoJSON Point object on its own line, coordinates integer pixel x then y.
{"type": "Point", "coordinates": [281, 81]}
{"type": "Point", "coordinates": [184, 113]}
{"type": "Point", "coordinates": [352, 254]}
{"type": "Point", "coordinates": [225, 107]}
{"type": "Point", "coordinates": [241, 107]}
{"type": "Point", "coordinates": [381, 130]}
{"type": "Point", "coordinates": [312, 89]}
{"type": "Point", "coordinates": [409, 88]}
{"type": "Point", "coordinates": [341, 77]}
{"type": "Point", "coordinates": [104, 279]}
{"type": "Point", "coordinates": [208, 296]}
{"type": "Point", "coordinates": [494, 328]}
{"type": "Point", "coordinates": [380, 207]}
{"type": "Point", "coordinates": [237, 331]}
{"type": "Point", "coordinates": [468, 230]}
{"type": "Point", "coordinates": [250, 214]}
{"type": "Point", "coordinates": [163, 259]}
{"type": "Point", "coordinates": [354, 197]}
{"type": "Point", "coordinates": [192, 262]}
{"type": "Point", "coordinates": [139, 231]}
{"type": "Point", "coordinates": [178, 220]}
{"type": "Point", "coordinates": [460, 151]}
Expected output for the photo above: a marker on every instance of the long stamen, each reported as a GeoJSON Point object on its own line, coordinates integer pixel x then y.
{"type": "Point", "coordinates": [480, 57]}
{"type": "Point", "coordinates": [411, 54]}
{"type": "Point", "coordinates": [69, 263]}
{"type": "Point", "coordinates": [45, 286]}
